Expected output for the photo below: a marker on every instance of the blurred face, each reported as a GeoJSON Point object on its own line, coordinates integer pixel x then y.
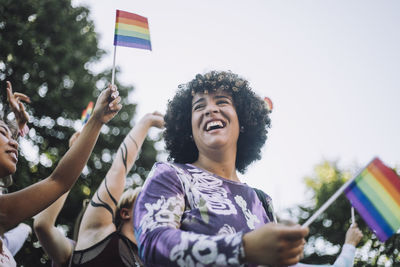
{"type": "Point", "coordinates": [8, 151]}
{"type": "Point", "coordinates": [215, 124]}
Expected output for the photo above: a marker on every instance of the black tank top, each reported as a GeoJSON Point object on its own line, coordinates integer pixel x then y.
{"type": "Point", "coordinates": [115, 250]}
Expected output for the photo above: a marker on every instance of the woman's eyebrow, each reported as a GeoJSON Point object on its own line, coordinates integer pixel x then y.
{"type": "Point", "coordinates": [199, 100]}
{"type": "Point", "coordinates": [222, 96]}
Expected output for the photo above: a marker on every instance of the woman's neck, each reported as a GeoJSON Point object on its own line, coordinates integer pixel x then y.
{"type": "Point", "coordinates": [224, 167]}
{"type": "Point", "coordinates": [127, 230]}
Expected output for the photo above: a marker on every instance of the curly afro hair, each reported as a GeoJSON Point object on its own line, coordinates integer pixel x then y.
{"type": "Point", "coordinates": [251, 110]}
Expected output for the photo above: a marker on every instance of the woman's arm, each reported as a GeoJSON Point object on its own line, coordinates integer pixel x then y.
{"type": "Point", "coordinates": [55, 244]}
{"type": "Point", "coordinates": [346, 257]}
{"type": "Point", "coordinates": [17, 206]}
{"type": "Point", "coordinates": [100, 212]}
{"type": "Point", "coordinates": [157, 221]}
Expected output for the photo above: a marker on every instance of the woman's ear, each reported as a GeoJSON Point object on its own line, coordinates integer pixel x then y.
{"type": "Point", "coordinates": [125, 213]}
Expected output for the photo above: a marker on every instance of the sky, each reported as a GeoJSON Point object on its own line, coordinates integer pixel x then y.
{"type": "Point", "coordinates": [331, 68]}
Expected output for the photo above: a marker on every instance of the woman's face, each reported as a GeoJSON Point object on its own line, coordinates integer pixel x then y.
{"type": "Point", "coordinates": [8, 151]}
{"type": "Point", "coordinates": [215, 124]}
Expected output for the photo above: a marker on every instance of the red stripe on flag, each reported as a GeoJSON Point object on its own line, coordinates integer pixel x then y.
{"type": "Point", "coordinates": [389, 173]}
{"type": "Point", "coordinates": [127, 15]}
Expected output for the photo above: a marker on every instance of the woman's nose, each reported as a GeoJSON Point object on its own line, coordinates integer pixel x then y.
{"type": "Point", "coordinates": [211, 108]}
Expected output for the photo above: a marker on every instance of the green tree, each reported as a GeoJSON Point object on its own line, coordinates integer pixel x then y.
{"type": "Point", "coordinates": [328, 231]}
{"type": "Point", "coordinates": [46, 50]}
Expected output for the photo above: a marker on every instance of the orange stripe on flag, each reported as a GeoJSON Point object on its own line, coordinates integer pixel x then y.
{"type": "Point", "coordinates": [132, 22]}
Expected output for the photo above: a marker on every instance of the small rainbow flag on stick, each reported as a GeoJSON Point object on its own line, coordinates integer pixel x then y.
{"type": "Point", "coordinates": [375, 194]}
{"type": "Point", "coordinates": [87, 112]}
{"type": "Point", "coordinates": [131, 30]}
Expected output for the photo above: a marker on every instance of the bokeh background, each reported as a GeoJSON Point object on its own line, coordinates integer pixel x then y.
{"type": "Point", "coordinates": [331, 69]}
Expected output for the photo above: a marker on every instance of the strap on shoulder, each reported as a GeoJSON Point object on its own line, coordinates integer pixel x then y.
{"type": "Point", "coordinates": [262, 197]}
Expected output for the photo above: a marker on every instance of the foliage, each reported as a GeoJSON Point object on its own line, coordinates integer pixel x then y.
{"type": "Point", "coordinates": [328, 231]}
{"type": "Point", "coordinates": [46, 50]}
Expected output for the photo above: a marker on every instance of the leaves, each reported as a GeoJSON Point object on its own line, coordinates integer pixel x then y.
{"type": "Point", "coordinates": [46, 48]}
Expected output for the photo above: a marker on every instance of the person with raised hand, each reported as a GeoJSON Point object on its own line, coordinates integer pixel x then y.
{"type": "Point", "coordinates": [15, 101]}
{"type": "Point", "coordinates": [105, 236]}
{"type": "Point", "coordinates": [346, 256]}
{"type": "Point", "coordinates": [195, 211]}
{"type": "Point", "coordinates": [20, 205]}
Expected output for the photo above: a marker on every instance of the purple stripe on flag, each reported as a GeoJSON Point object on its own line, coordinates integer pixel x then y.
{"type": "Point", "coordinates": [127, 44]}
{"type": "Point", "coordinates": [132, 42]}
{"type": "Point", "coordinates": [368, 212]}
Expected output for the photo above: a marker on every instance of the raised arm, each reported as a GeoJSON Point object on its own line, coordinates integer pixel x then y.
{"type": "Point", "coordinates": [17, 206]}
{"type": "Point", "coordinates": [54, 243]}
{"type": "Point", "coordinates": [101, 210]}
{"type": "Point", "coordinates": [346, 257]}
{"type": "Point", "coordinates": [16, 105]}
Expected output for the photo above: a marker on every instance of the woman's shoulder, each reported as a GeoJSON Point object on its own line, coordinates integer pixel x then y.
{"type": "Point", "coordinates": [161, 167]}
{"type": "Point", "coordinates": [166, 171]}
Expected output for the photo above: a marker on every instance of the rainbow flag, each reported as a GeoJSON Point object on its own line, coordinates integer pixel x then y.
{"type": "Point", "coordinates": [87, 112]}
{"type": "Point", "coordinates": [375, 194]}
{"type": "Point", "coordinates": [131, 30]}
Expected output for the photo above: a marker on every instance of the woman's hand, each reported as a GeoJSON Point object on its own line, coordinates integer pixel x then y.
{"type": "Point", "coordinates": [353, 235]}
{"type": "Point", "coordinates": [274, 244]}
{"type": "Point", "coordinates": [15, 101]}
{"type": "Point", "coordinates": [107, 105]}
{"type": "Point", "coordinates": [156, 119]}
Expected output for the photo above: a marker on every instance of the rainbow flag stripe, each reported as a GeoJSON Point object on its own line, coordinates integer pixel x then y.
{"type": "Point", "coordinates": [87, 112]}
{"type": "Point", "coordinates": [375, 194]}
{"type": "Point", "coordinates": [131, 30]}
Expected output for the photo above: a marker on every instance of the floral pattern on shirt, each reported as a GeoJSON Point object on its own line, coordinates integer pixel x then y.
{"type": "Point", "coordinates": [186, 216]}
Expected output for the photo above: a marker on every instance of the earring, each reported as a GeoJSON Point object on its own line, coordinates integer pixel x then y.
{"type": "Point", "coordinates": [191, 137]}
{"type": "Point", "coordinates": [242, 129]}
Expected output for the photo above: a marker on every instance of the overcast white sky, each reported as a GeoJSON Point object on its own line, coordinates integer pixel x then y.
{"type": "Point", "coordinates": [332, 69]}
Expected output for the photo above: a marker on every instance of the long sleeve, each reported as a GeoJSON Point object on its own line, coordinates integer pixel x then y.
{"type": "Point", "coordinates": [345, 258]}
{"type": "Point", "coordinates": [161, 213]}
{"type": "Point", "coordinates": [15, 238]}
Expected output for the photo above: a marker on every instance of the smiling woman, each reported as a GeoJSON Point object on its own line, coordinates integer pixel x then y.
{"type": "Point", "coordinates": [195, 211]}
{"type": "Point", "coordinates": [251, 113]}
{"type": "Point", "coordinates": [18, 206]}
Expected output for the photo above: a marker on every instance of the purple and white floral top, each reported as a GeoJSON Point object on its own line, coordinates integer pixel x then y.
{"type": "Point", "coordinates": [186, 216]}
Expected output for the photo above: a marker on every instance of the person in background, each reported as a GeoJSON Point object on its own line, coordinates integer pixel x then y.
{"type": "Point", "coordinates": [346, 257]}
{"type": "Point", "coordinates": [20, 205]}
{"type": "Point", "coordinates": [105, 236]}
{"type": "Point", "coordinates": [195, 211]}
{"type": "Point", "coordinates": [15, 238]}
